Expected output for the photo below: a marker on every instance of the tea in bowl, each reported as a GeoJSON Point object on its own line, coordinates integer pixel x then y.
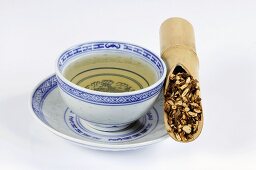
{"type": "Point", "coordinates": [109, 85]}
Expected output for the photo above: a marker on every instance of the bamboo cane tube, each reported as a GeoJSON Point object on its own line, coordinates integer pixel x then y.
{"type": "Point", "coordinates": [177, 44]}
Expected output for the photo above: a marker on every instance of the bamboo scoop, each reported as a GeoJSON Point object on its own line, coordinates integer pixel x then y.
{"type": "Point", "coordinates": [177, 44]}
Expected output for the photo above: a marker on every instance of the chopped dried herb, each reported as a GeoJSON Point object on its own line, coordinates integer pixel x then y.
{"type": "Point", "coordinates": [183, 105]}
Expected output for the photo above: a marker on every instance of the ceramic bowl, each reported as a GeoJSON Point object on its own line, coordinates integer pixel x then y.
{"type": "Point", "coordinates": [108, 111]}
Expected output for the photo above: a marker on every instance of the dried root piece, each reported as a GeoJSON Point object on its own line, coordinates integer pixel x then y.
{"type": "Point", "coordinates": [183, 106]}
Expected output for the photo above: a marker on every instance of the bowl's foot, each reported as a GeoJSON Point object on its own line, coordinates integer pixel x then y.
{"type": "Point", "coordinates": [105, 128]}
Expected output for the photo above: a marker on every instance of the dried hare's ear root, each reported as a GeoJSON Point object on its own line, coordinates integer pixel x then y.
{"type": "Point", "coordinates": [183, 108]}
{"type": "Point", "coordinates": [183, 115]}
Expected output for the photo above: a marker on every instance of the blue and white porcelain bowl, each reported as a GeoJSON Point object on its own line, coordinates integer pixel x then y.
{"type": "Point", "coordinates": [109, 111]}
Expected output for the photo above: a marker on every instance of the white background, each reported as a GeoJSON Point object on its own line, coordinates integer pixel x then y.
{"type": "Point", "coordinates": [34, 33]}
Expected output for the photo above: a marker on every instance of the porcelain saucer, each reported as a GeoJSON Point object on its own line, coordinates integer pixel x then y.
{"type": "Point", "coordinates": [52, 112]}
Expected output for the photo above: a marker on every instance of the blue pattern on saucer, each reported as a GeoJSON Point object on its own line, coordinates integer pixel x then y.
{"type": "Point", "coordinates": [144, 125]}
{"type": "Point", "coordinates": [147, 122]}
{"type": "Point", "coordinates": [40, 94]}
{"type": "Point", "coordinates": [141, 129]}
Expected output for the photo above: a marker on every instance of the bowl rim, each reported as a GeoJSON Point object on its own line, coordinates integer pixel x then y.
{"type": "Point", "coordinates": [152, 86]}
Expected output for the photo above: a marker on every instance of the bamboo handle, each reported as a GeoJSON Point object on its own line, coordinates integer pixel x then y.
{"type": "Point", "coordinates": [177, 43]}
